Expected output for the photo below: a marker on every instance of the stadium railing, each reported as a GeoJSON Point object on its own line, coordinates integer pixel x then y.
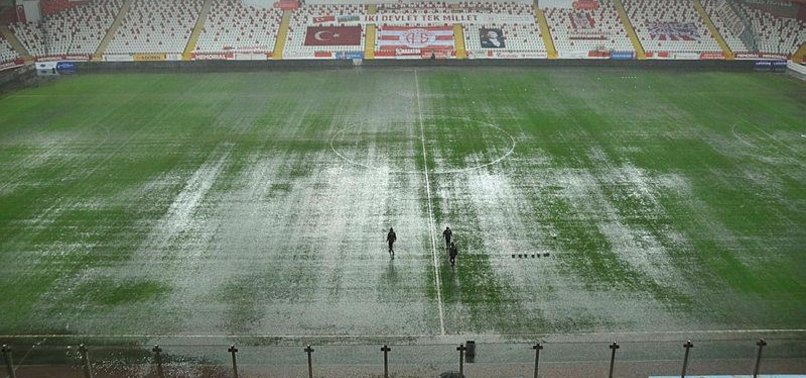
{"type": "Point", "coordinates": [278, 358]}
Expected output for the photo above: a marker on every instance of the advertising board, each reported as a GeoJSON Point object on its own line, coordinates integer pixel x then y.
{"type": "Point", "coordinates": [622, 55]}
{"type": "Point", "coordinates": [150, 57]}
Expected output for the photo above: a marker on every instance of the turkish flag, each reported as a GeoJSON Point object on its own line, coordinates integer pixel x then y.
{"type": "Point", "coordinates": [323, 19]}
{"type": "Point", "coordinates": [333, 36]}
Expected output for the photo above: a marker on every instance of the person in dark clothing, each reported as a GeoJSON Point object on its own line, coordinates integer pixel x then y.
{"type": "Point", "coordinates": [447, 235]}
{"type": "Point", "coordinates": [452, 252]}
{"type": "Point", "coordinates": [391, 237]}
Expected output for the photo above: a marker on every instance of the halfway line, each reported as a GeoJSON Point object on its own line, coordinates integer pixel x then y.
{"type": "Point", "coordinates": [430, 212]}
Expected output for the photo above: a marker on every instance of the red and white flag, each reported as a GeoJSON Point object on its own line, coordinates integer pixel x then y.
{"type": "Point", "coordinates": [323, 19]}
{"type": "Point", "coordinates": [406, 37]}
{"type": "Point", "coordinates": [333, 36]}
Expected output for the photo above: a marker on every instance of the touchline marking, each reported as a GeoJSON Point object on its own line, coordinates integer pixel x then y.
{"type": "Point", "coordinates": [430, 212]}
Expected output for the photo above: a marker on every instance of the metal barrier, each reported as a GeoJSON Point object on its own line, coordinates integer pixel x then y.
{"type": "Point", "coordinates": [212, 360]}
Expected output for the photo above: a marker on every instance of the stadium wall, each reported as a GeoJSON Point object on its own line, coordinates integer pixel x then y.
{"type": "Point", "coordinates": [796, 70]}
{"type": "Point", "coordinates": [17, 78]}
{"type": "Point", "coordinates": [223, 66]}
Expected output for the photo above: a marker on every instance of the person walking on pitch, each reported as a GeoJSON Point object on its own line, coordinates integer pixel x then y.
{"type": "Point", "coordinates": [452, 252]}
{"type": "Point", "coordinates": [391, 238]}
{"type": "Point", "coordinates": [447, 235]}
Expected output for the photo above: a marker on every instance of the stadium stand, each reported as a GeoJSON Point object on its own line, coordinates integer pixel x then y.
{"type": "Point", "coordinates": [232, 26]}
{"type": "Point", "coordinates": [578, 32]}
{"type": "Point", "coordinates": [7, 53]}
{"type": "Point", "coordinates": [301, 19]}
{"type": "Point", "coordinates": [31, 36]}
{"type": "Point", "coordinates": [670, 26]}
{"type": "Point", "coordinates": [71, 27]}
{"type": "Point", "coordinates": [79, 29]}
{"type": "Point", "coordinates": [518, 37]}
{"type": "Point", "coordinates": [422, 7]}
{"type": "Point", "coordinates": [722, 15]}
{"type": "Point", "coordinates": [156, 26]}
{"type": "Point", "coordinates": [776, 34]}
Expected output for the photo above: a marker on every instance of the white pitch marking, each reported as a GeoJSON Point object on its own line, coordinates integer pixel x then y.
{"type": "Point", "coordinates": [437, 172]}
{"type": "Point", "coordinates": [430, 212]}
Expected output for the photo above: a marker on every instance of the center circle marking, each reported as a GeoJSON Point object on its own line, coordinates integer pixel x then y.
{"type": "Point", "coordinates": [436, 171]}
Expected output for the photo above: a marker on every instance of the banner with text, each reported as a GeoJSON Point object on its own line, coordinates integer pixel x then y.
{"type": "Point", "coordinates": [154, 57]}
{"type": "Point", "coordinates": [495, 54]}
{"type": "Point", "coordinates": [569, 4]}
{"type": "Point", "coordinates": [712, 56]}
{"type": "Point", "coordinates": [224, 55]}
{"type": "Point", "coordinates": [118, 58]}
{"type": "Point", "coordinates": [622, 55]}
{"type": "Point", "coordinates": [422, 18]}
{"type": "Point", "coordinates": [65, 58]}
{"type": "Point", "coordinates": [759, 56]}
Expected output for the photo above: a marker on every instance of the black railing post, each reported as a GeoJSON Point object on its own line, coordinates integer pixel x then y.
{"type": "Point", "coordinates": [537, 347]}
{"type": "Point", "coordinates": [85, 361]}
{"type": "Point", "coordinates": [688, 345]}
{"type": "Point", "coordinates": [9, 361]}
{"type": "Point", "coordinates": [158, 359]}
{"type": "Point", "coordinates": [461, 348]}
{"type": "Point", "coordinates": [309, 350]}
{"type": "Point", "coordinates": [232, 349]}
{"type": "Point", "coordinates": [761, 344]}
{"type": "Point", "coordinates": [613, 348]}
{"type": "Point", "coordinates": [385, 351]}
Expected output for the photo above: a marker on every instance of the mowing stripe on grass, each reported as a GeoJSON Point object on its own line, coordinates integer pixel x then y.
{"type": "Point", "coordinates": [430, 211]}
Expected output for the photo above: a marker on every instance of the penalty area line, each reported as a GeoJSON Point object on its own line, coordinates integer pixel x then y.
{"type": "Point", "coordinates": [430, 211]}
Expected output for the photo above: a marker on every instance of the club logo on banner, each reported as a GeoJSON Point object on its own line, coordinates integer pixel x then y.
{"type": "Point", "coordinates": [438, 37]}
{"type": "Point", "coordinates": [675, 31]}
{"type": "Point", "coordinates": [333, 36]}
{"type": "Point", "coordinates": [582, 21]}
{"type": "Point", "coordinates": [492, 38]}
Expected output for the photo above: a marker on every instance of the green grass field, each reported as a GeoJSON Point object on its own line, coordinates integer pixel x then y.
{"type": "Point", "coordinates": [258, 203]}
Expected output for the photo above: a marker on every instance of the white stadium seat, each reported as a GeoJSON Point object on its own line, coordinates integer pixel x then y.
{"type": "Point", "coordinates": [232, 26]}
{"type": "Point", "coordinates": [670, 25]}
{"type": "Point", "coordinates": [74, 30]}
{"type": "Point", "coordinates": [31, 37]}
{"type": "Point", "coordinates": [776, 34]}
{"type": "Point", "coordinates": [588, 30]}
{"type": "Point", "coordinates": [156, 26]}
{"type": "Point", "coordinates": [733, 41]}
{"type": "Point", "coordinates": [7, 53]}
